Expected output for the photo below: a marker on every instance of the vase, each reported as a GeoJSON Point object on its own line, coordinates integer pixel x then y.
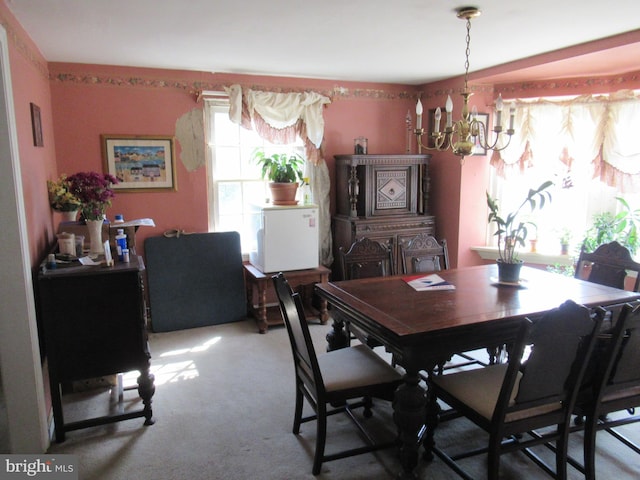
{"type": "Point", "coordinates": [95, 236]}
{"type": "Point", "coordinates": [69, 216]}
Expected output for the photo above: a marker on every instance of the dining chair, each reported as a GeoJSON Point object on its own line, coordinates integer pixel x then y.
{"type": "Point", "coordinates": [331, 381]}
{"type": "Point", "coordinates": [528, 393]}
{"type": "Point", "coordinates": [366, 258]}
{"type": "Point", "coordinates": [607, 265]}
{"type": "Point", "coordinates": [615, 386]}
{"type": "Point", "coordinates": [423, 253]}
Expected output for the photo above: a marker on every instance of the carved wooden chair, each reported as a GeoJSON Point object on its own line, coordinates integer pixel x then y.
{"type": "Point", "coordinates": [615, 386]}
{"type": "Point", "coordinates": [332, 378]}
{"type": "Point", "coordinates": [607, 265]}
{"type": "Point", "coordinates": [423, 253]}
{"type": "Point", "coordinates": [510, 400]}
{"type": "Point", "coordinates": [366, 258]}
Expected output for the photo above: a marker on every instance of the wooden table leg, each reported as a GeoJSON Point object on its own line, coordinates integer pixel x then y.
{"type": "Point", "coordinates": [261, 311]}
{"type": "Point", "coordinates": [408, 412]}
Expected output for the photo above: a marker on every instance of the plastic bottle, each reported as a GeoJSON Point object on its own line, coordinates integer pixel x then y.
{"type": "Point", "coordinates": [306, 192]}
{"type": "Point", "coordinates": [119, 218]}
{"type": "Point", "coordinates": [121, 243]}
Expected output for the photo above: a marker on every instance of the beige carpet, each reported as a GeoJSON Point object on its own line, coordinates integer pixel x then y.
{"type": "Point", "coordinates": [224, 408]}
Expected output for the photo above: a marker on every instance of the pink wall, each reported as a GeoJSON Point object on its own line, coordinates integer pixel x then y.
{"type": "Point", "coordinates": [89, 100]}
{"type": "Point", "coordinates": [29, 77]}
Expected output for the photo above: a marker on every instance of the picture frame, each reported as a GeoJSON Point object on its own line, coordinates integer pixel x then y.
{"type": "Point", "coordinates": [141, 163]}
{"type": "Point", "coordinates": [36, 125]}
{"type": "Point", "coordinates": [477, 148]}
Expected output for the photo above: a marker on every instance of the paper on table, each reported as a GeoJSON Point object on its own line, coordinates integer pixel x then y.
{"type": "Point", "coordinates": [88, 261]}
{"type": "Point", "coordinates": [428, 282]}
{"type": "Point", "coordinates": [141, 222]}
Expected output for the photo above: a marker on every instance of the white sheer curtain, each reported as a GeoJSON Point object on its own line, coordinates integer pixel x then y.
{"type": "Point", "coordinates": [279, 118]}
{"type": "Point", "coordinates": [595, 134]}
{"type": "Point", "coordinates": [586, 145]}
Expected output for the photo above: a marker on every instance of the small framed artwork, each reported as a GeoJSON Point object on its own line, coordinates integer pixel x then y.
{"type": "Point", "coordinates": [477, 147]}
{"type": "Point", "coordinates": [142, 163]}
{"type": "Point", "coordinates": [36, 125]}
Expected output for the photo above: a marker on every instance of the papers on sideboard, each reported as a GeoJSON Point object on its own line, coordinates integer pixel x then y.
{"type": "Point", "coordinates": [428, 282]}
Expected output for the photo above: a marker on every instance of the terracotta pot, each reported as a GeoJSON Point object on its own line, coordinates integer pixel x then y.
{"type": "Point", "coordinates": [283, 193]}
{"type": "Point", "coordinates": [509, 272]}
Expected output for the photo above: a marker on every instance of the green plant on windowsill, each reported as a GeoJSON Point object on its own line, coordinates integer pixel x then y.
{"type": "Point", "coordinates": [510, 229]}
{"type": "Point", "coordinates": [608, 227]}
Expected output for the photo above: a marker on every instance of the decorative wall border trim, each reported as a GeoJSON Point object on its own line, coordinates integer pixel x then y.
{"type": "Point", "coordinates": [23, 48]}
{"type": "Point", "coordinates": [194, 87]}
{"type": "Point", "coordinates": [630, 80]}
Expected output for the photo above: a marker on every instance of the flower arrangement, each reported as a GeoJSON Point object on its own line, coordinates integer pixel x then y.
{"type": "Point", "coordinates": [94, 192]}
{"type": "Point", "coordinates": [61, 198]}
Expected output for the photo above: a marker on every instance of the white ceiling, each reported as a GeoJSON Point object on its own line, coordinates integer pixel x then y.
{"type": "Point", "coordinates": [393, 41]}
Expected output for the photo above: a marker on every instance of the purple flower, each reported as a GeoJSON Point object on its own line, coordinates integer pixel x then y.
{"type": "Point", "coordinates": [94, 192]}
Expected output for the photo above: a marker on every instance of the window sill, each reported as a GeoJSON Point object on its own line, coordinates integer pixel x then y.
{"type": "Point", "coordinates": [537, 258]}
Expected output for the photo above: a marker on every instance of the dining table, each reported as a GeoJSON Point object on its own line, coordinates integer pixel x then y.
{"type": "Point", "coordinates": [421, 329]}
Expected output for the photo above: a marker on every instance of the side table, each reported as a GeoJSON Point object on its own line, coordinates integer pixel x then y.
{"type": "Point", "coordinates": [301, 281]}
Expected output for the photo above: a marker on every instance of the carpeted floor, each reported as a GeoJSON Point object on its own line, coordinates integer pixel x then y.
{"type": "Point", "coordinates": [224, 408]}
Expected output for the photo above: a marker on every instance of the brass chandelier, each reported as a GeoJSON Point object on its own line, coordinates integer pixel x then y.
{"type": "Point", "coordinates": [462, 136]}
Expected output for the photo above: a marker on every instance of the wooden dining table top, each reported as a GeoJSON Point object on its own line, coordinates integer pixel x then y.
{"type": "Point", "coordinates": [392, 308]}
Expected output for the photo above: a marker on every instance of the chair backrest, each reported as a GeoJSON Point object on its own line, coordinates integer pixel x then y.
{"type": "Point", "coordinates": [607, 265]}
{"type": "Point", "coordinates": [304, 354]}
{"type": "Point", "coordinates": [560, 343]}
{"type": "Point", "coordinates": [620, 363]}
{"type": "Point", "coordinates": [366, 258]}
{"type": "Point", "coordinates": [423, 253]}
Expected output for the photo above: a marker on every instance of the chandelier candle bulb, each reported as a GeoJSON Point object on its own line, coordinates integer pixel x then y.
{"type": "Point", "coordinates": [438, 117]}
{"type": "Point", "coordinates": [499, 107]}
{"type": "Point", "coordinates": [419, 111]}
{"type": "Point", "coordinates": [449, 108]}
{"type": "Point", "coordinates": [512, 115]}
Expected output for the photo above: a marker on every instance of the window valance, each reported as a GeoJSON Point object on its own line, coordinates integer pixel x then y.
{"type": "Point", "coordinates": [287, 113]}
{"type": "Point", "coordinates": [586, 132]}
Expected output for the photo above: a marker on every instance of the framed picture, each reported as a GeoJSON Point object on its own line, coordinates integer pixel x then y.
{"type": "Point", "coordinates": [36, 125]}
{"type": "Point", "coordinates": [477, 148]}
{"type": "Point", "coordinates": [140, 162]}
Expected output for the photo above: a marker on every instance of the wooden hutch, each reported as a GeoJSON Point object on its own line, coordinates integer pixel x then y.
{"type": "Point", "coordinates": [383, 197]}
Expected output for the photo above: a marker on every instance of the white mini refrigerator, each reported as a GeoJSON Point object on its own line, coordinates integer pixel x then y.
{"type": "Point", "coordinates": [287, 238]}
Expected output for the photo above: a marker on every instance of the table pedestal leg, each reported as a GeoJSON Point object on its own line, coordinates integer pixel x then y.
{"type": "Point", "coordinates": [337, 338]}
{"type": "Point", "coordinates": [408, 413]}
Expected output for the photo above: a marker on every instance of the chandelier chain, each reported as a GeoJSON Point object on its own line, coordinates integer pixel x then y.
{"type": "Point", "coordinates": [467, 53]}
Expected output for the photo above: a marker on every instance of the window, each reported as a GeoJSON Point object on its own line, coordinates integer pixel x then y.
{"type": "Point", "coordinates": [235, 184]}
{"type": "Point", "coordinates": [559, 141]}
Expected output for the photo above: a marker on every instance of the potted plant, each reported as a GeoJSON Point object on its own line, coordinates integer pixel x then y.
{"type": "Point", "coordinates": [512, 231]}
{"type": "Point", "coordinates": [565, 240]}
{"type": "Point", "coordinates": [284, 171]}
{"type": "Point", "coordinates": [62, 199]}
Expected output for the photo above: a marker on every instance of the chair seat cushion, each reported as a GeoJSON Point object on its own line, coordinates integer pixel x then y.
{"type": "Point", "coordinates": [479, 390]}
{"type": "Point", "coordinates": [355, 367]}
